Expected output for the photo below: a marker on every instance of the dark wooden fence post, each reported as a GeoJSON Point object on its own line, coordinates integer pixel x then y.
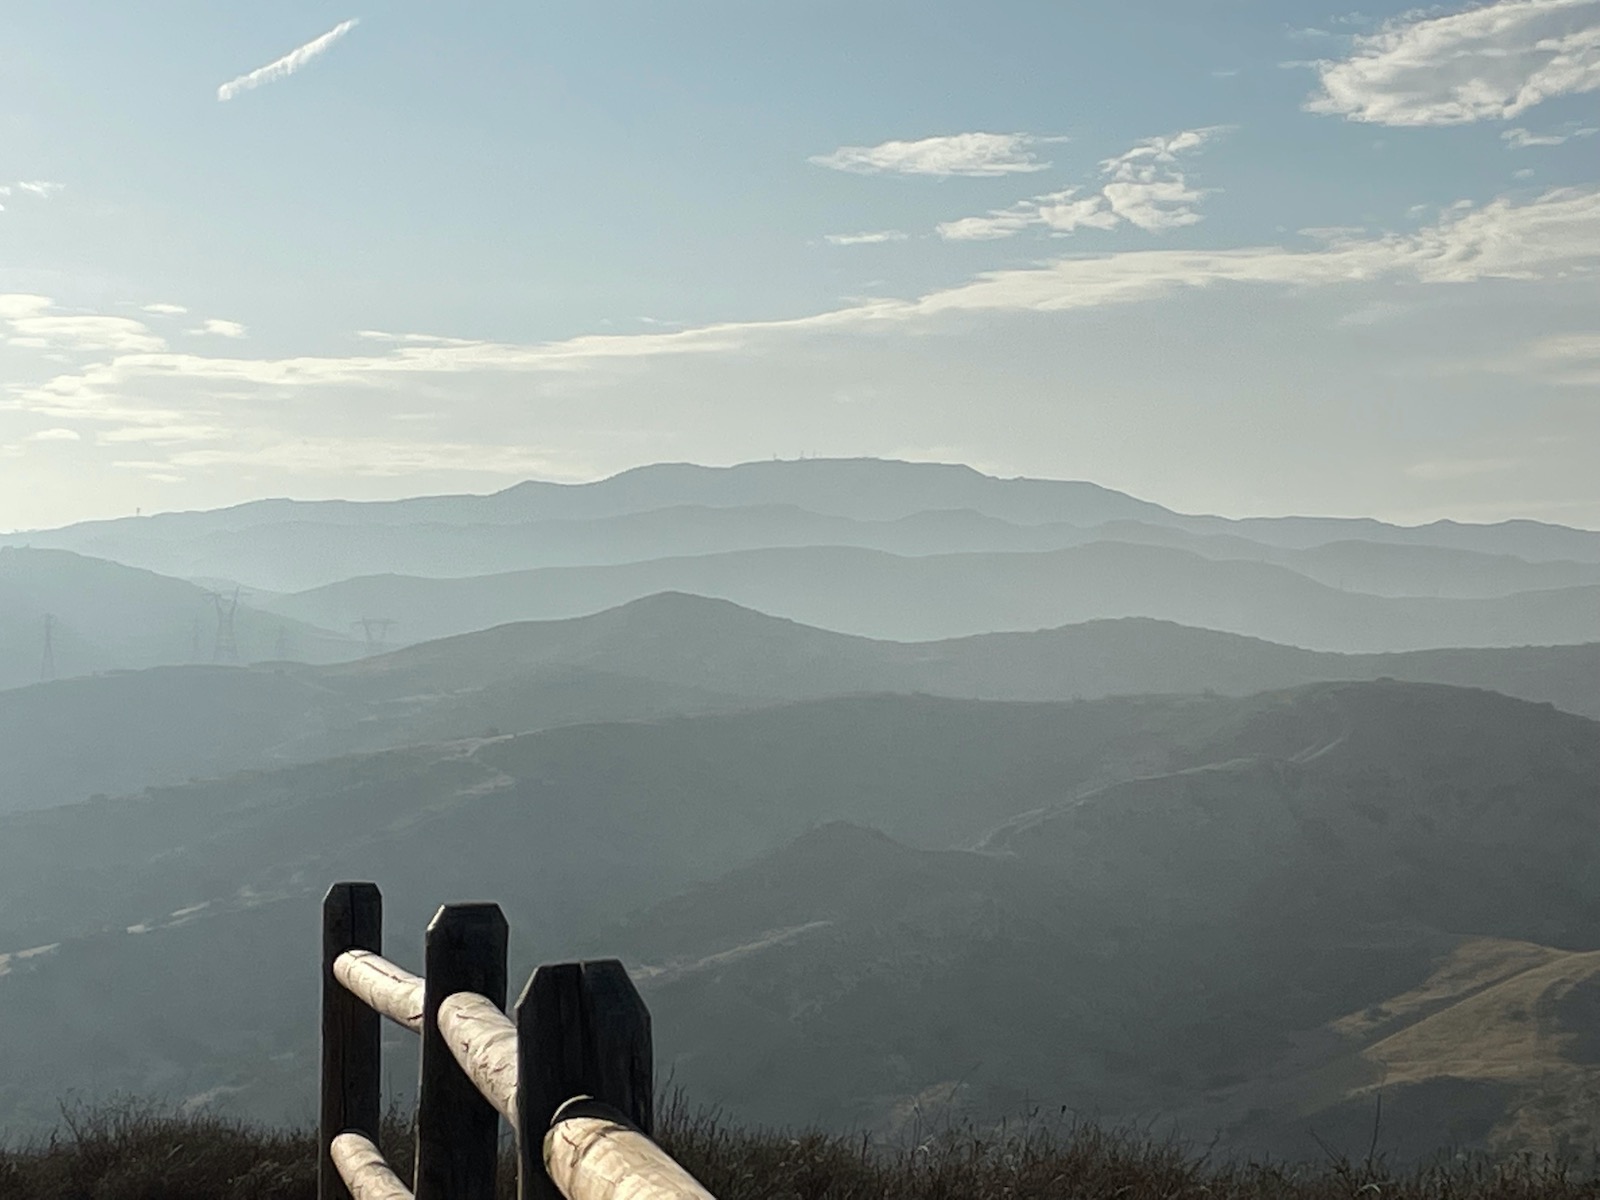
{"type": "Point", "coordinates": [352, 919]}
{"type": "Point", "coordinates": [458, 1131]}
{"type": "Point", "coordinates": [582, 1030]}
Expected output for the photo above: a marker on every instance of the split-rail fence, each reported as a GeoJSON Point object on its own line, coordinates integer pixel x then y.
{"type": "Point", "coordinates": [570, 1068]}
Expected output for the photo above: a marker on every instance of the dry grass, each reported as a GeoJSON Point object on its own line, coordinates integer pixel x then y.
{"type": "Point", "coordinates": [134, 1152]}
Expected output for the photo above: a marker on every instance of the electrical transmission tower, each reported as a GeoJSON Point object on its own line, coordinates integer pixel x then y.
{"type": "Point", "coordinates": [227, 647]}
{"type": "Point", "coordinates": [47, 668]}
{"type": "Point", "coordinates": [376, 631]}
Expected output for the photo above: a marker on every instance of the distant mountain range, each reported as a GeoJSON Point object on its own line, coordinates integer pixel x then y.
{"type": "Point", "coordinates": [300, 555]}
{"type": "Point", "coordinates": [1246, 914]}
{"type": "Point", "coordinates": [665, 655]}
{"type": "Point", "coordinates": [873, 594]}
{"type": "Point", "coordinates": [673, 510]}
{"type": "Point", "coordinates": [103, 616]}
{"type": "Point", "coordinates": [909, 794]}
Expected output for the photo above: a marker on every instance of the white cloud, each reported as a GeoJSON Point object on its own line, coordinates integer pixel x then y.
{"type": "Point", "coordinates": [873, 238]}
{"type": "Point", "coordinates": [203, 412]}
{"type": "Point", "coordinates": [166, 310]}
{"type": "Point", "coordinates": [1144, 188]}
{"type": "Point", "coordinates": [973, 154]}
{"type": "Point", "coordinates": [42, 188]}
{"type": "Point", "coordinates": [55, 435]}
{"type": "Point", "coordinates": [215, 327]}
{"type": "Point", "coordinates": [283, 67]}
{"type": "Point", "coordinates": [1572, 360]}
{"type": "Point", "coordinates": [1448, 470]}
{"type": "Point", "coordinates": [1492, 62]}
{"type": "Point", "coordinates": [29, 322]}
{"type": "Point", "coordinates": [1521, 139]}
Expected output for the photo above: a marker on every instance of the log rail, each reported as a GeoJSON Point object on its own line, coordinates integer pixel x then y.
{"type": "Point", "coordinates": [569, 1068]}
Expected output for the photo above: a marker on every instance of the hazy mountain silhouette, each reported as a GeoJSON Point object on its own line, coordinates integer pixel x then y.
{"type": "Point", "coordinates": [1180, 906]}
{"type": "Point", "coordinates": [665, 655]}
{"type": "Point", "coordinates": [1347, 888]}
{"type": "Point", "coordinates": [674, 509]}
{"type": "Point", "coordinates": [301, 555]}
{"type": "Point", "coordinates": [880, 595]}
{"type": "Point", "coordinates": [104, 616]}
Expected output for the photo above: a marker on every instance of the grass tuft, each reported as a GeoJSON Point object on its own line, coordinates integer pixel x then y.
{"type": "Point", "coordinates": [130, 1150]}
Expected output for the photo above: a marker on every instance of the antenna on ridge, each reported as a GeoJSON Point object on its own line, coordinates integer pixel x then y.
{"type": "Point", "coordinates": [47, 667]}
{"type": "Point", "coordinates": [227, 647]}
{"type": "Point", "coordinates": [376, 631]}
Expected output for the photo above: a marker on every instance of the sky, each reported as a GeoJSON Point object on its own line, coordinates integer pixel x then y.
{"type": "Point", "coordinates": [1236, 256]}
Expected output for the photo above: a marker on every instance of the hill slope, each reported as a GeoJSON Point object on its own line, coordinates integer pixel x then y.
{"type": "Point", "coordinates": [1179, 907]}
{"type": "Point", "coordinates": [880, 595]}
{"type": "Point", "coordinates": [105, 616]}
{"type": "Point", "coordinates": [661, 656]}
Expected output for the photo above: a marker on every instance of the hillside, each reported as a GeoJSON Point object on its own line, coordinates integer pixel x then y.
{"type": "Point", "coordinates": [1319, 908]}
{"type": "Point", "coordinates": [661, 656]}
{"type": "Point", "coordinates": [912, 599]}
{"type": "Point", "coordinates": [1132, 907]}
{"type": "Point", "coordinates": [104, 617]}
{"type": "Point", "coordinates": [856, 489]}
{"type": "Point", "coordinates": [300, 555]}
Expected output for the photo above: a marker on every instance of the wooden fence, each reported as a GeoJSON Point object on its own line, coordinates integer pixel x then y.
{"type": "Point", "coordinates": [570, 1068]}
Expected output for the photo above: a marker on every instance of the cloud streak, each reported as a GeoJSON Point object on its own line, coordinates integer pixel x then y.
{"type": "Point", "coordinates": [286, 66]}
{"type": "Point", "coordinates": [200, 411]}
{"type": "Point", "coordinates": [970, 154]}
{"type": "Point", "coordinates": [874, 237]}
{"type": "Point", "coordinates": [1493, 62]}
{"type": "Point", "coordinates": [1143, 188]}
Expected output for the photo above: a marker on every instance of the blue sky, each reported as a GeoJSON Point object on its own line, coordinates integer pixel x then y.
{"type": "Point", "coordinates": [1232, 256]}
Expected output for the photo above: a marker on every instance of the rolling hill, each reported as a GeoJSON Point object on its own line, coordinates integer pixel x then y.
{"type": "Point", "coordinates": [661, 656]}
{"type": "Point", "coordinates": [673, 510]}
{"type": "Point", "coordinates": [105, 616]}
{"type": "Point", "coordinates": [880, 595]}
{"type": "Point", "coordinates": [1191, 909]}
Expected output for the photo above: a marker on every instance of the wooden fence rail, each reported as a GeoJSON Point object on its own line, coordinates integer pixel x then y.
{"type": "Point", "coordinates": [570, 1068]}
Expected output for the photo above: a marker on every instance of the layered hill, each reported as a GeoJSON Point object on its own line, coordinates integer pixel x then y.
{"type": "Point", "coordinates": [1203, 910]}
{"type": "Point", "coordinates": [303, 554]}
{"type": "Point", "coordinates": [661, 656]}
{"type": "Point", "coordinates": [673, 510]}
{"type": "Point", "coordinates": [103, 616]}
{"type": "Point", "coordinates": [910, 599]}
{"type": "Point", "coordinates": [1339, 896]}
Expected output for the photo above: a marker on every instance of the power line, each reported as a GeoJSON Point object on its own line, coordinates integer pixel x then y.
{"type": "Point", "coordinates": [47, 668]}
{"type": "Point", "coordinates": [227, 645]}
{"type": "Point", "coordinates": [376, 631]}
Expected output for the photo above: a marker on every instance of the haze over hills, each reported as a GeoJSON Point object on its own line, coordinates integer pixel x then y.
{"type": "Point", "coordinates": [300, 555]}
{"type": "Point", "coordinates": [671, 510]}
{"type": "Point", "coordinates": [1080, 891]}
{"type": "Point", "coordinates": [886, 596]}
{"type": "Point", "coordinates": [910, 788]}
{"type": "Point", "coordinates": [665, 655]}
{"type": "Point", "coordinates": [104, 616]}
{"type": "Point", "coordinates": [1334, 886]}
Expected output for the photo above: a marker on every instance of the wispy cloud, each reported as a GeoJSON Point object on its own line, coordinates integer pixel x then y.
{"type": "Point", "coordinates": [216, 327]}
{"type": "Point", "coordinates": [165, 310]}
{"type": "Point", "coordinates": [1142, 187]}
{"type": "Point", "coordinates": [197, 411]}
{"type": "Point", "coordinates": [972, 154]}
{"type": "Point", "coordinates": [55, 435]}
{"type": "Point", "coordinates": [41, 189]}
{"type": "Point", "coordinates": [872, 238]}
{"type": "Point", "coordinates": [286, 66]}
{"type": "Point", "coordinates": [1521, 139]}
{"type": "Point", "coordinates": [1491, 62]}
